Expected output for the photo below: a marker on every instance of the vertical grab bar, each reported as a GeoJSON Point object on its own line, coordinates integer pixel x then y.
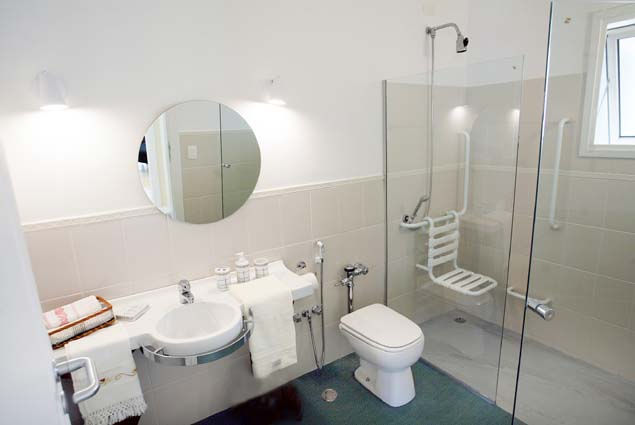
{"type": "Point", "coordinates": [466, 186]}
{"type": "Point", "coordinates": [466, 172]}
{"type": "Point", "coordinates": [556, 174]}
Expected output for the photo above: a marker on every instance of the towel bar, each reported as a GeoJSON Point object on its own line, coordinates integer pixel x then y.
{"type": "Point", "coordinates": [157, 355]}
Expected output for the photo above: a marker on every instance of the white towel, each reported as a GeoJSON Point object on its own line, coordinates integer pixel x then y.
{"type": "Point", "coordinates": [119, 395]}
{"type": "Point", "coordinates": [70, 312]}
{"type": "Point", "coordinates": [272, 343]}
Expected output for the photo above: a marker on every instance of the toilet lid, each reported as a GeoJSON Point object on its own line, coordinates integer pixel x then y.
{"type": "Point", "coordinates": [382, 326]}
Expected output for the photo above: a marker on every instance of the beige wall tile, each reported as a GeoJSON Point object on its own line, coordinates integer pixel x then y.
{"type": "Point", "coordinates": [568, 332]}
{"type": "Point", "coordinates": [407, 104]}
{"type": "Point", "coordinates": [369, 289]}
{"type": "Point", "coordinates": [335, 302]}
{"type": "Point", "coordinates": [211, 208]}
{"type": "Point", "coordinates": [401, 277]}
{"type": "Point", "coordinates": [233, 201]}
{"type": "Point", "coordinates": [525, 195]}
{"type": "Point", "coordinates": [263, 224]}
{"type": "Point", "coordinates": [581, 246]}
{"type": "Point", "coordinates": [613, 300]}
{"type": "Point", "coordinates": [349, 199]}
{"type": "Point", "coordinates": [528, 141]}
{"type": "Point", "coordinates": [147, 250]}
{"type": "Point", "coordinates": [52, 303]}
{"type": "Point", "coordinates": [405, 304]}
{"type": "Point", "coordinates": [369, 247]}
{"type": "Point", "coordinates": [191, 250]}
{"type": "Point", "coordinates": [373, 202]}
{"type": "Point", "coordinates": [304, 251]}
{"type": "Point", "coordinates": [325, 217]}
{"type": "Point", "coordinates": [575, 290]}
{"type": "Point", "coordinates": [401, 242]}
{"type": "Point", "coordinates": [617, 257]}
{"type": "Point", "coordinates": [613, 348]}
{"type": "Point", "coordinates": [620, 205]}
{"type": "Point", "coordinates": [240, 146]}
{"type": "Point", "coordinates": [404, 193]}
{"type": "Point", "coordinates": [241, 176]}
{"type": "Point", "coordinates": [228, 237]}
{"type": "Point", "coordinates": [110, 292]}
{"type": "Point", "coordinates": [407, 148]}
{"type": "Point", "coordinates": [99, 248]}
{"type": "Point", "coordinates": [207, 145]}
{"type": "Point", "coordinates": [339, 251]}
{"type": "Point", "coordinates": [587, 200]}
{"type": "Point", "coordinates": [543, 205]}
{"type": "Point", "coordinates": [201, 181]}
{"type": "Point", "coordinates": [296, 217]}
{"type": "Point", "coordinates": [53, 262]}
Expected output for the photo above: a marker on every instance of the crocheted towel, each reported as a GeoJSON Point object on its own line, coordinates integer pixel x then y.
{"type": "Point", "coordinates": [119, 396]}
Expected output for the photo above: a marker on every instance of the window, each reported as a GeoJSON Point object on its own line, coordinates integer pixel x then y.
{"type": "Point", "coordinates": [608, 126]}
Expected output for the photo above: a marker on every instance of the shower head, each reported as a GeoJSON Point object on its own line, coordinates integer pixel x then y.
{"type": "Point", "coordinates": [461, 43]}
{"type": "Point", "coordinates": [461, 40]}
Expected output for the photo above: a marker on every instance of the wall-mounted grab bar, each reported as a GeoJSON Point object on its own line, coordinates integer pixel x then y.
{"type": "Point", "coordinates": [466, 171]}
{"type": "Point", "coordinates": [541, 307]}
{"type": "Point", "coordinates": [466, 188]}
{"type": "Point", "coordinates": [556, 174]}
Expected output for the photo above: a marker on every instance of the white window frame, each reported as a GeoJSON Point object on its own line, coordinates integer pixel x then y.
{"type": "Point", "coordinates": [618, 148]}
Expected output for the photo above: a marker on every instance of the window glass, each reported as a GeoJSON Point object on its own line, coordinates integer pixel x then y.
{"type": "Point", "coordinates": [602, 130]}
{"type": "Point", "coordinates": [626, 55]}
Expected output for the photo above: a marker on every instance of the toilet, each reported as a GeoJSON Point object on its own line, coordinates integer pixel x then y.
{"type": "Point", "coordinates": [388, 344]}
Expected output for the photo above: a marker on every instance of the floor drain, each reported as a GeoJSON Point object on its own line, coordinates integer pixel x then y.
{"type": "Point", "coordinates": [460, 320]}
{"type": "Point", "coordinates": [329, 395]}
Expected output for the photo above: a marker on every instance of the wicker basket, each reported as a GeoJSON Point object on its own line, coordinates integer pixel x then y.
{"type": "Point", "coordinates": [84, 326]}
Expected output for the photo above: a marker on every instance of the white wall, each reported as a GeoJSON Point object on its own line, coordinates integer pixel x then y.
{"type": "Point", "coordinates": [125, 62]}
{"type": "Point", "coordinates": [505, 28]}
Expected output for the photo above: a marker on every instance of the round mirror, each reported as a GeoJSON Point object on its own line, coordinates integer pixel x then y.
{"type": "Point", "coordinates": [199, 162]}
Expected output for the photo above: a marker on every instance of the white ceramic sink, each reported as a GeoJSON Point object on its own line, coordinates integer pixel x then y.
{"type": "Point", "coordinates": [198, 328]}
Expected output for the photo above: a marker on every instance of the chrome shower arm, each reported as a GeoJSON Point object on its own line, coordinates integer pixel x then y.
{"type": "Point", "coordinates": [433, 30]}
{"type": "Point", "coordinates": [461, 40]}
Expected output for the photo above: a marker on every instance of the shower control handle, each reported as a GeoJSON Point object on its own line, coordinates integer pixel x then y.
{"type": "Point", "coordinates": [543, 310]}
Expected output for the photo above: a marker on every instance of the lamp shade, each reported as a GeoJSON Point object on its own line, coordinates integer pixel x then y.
{"type": "Point", "coordinates": [51, 92]}
{"type": "Point", "coordinates": [272, 92]}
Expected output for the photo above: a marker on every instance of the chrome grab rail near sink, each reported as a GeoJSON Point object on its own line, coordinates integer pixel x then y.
{"type": "Point", "coordinates": [157, 355]}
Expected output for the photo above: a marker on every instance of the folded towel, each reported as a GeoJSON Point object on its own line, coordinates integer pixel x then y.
{"type": "Point", "coordinates": [119, 395]}
{"type": "Point", "coordinates": [272, 343]}
{"type": "Point", "coordinates": [70, 312]}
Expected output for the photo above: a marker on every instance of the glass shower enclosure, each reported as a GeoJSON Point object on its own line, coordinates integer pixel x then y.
{"type": "Point", "coordinates": [475, 115]}
{"type": "Point", "coordinates": [533, 188]}
{"type": "Point", "coordinates": [579, 368]}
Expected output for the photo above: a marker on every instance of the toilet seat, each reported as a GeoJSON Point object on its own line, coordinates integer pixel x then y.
{"type": "Point", "coordinates": [382, 328]}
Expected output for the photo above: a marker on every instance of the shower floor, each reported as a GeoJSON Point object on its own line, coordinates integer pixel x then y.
{"type": "Point", "coordinates": [554, 388]}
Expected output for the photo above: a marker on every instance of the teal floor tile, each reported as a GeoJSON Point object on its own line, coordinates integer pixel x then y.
{"type": "Point", "coordinates": [439, 401]}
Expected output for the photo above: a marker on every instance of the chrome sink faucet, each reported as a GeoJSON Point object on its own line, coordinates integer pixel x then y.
{"type": "Point", "coordinates": [185, 294]}
{"type": "Point", "coordinates": [352, 270]}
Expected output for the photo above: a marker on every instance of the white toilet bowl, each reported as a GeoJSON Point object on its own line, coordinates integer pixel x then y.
{"type": "Point", "coordinates": [388, 344]}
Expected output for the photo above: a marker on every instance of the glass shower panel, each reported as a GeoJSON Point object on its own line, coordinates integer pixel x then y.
{"type": "Point", "coordinates": [579, 367]}
{"type": "Point", "coordinates": [480, 102]}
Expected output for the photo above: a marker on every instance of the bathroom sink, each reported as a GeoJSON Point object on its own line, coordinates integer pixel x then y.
{"type": "Point", "coordinates": [198, 328]}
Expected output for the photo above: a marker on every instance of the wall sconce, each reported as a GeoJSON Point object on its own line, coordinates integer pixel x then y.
{"type": "Point", "coordinates": [51, 92]}
{"type": "Point", "coordinates": [272, 92]}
